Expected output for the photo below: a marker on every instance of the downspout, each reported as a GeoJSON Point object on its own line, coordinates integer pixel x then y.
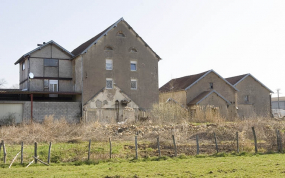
{"type": "Point", "coordinates": [28, 74]}
{"type": "Point", "coordinates": [32, 108]}
{"type": "Point", "coordinates": [82, 110]}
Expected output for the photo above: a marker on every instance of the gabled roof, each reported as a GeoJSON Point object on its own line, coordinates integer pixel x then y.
{"type": "Point", "coordinates": [237, 79]}
{"type": "Point", "coordinates": [180, 83]}
{"type": "Point", "coordinates": [198, 99]}
{"type": "Point", "coordinates": [40, 47]}
{"type": "Point", "coordinates": [184, 83]}
{"type": "Point", "coordinates": [85, 46]}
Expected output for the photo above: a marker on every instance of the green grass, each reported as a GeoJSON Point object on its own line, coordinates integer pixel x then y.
{"type": "Point", "coordinates": [219, 165]}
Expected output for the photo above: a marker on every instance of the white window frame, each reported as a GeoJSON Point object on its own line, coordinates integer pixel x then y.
{"type": "Point", "coordinates": [134, 80]}
{"type": "Point", "coordinates": [133, 62]}
{"type": "Point", "coordinates": [109, 61]}
{"type": "Point", "coordinates": [51, 87]}
{"type": "Point", "coordinates": [109, 79]}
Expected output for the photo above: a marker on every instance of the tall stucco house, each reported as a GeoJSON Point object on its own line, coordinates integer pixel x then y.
{"type": "Point", "coordinates": [109, 78]}
{"type": "Point", "coordinates": [240, 96]}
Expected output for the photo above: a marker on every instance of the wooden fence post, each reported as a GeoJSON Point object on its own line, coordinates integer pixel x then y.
{"type": "Point", "coordinates": [158, 147]}
{"type": "Point", "coordinates": [36, 152]}
{"type": "Point", "coordinates": [49, 152]}
{"type": "Point", "coordinates": [255, 141]}
{"type": "Point", "coordinates": [89, 146]}
{"type": "Point", "coordinates": [175, 147]}
{"type": "Point", "coordinates": [197, 141]}
{"type": "Point", "coordinates": [280, 142]}
{"type": "Point", "coordinates": [4, 151]}
{"type": "Point", "coordinates": [136, 146]}
{"type": "Point", "coordinates": [110, 148]}
{"type": "Point", "coordinates": [237, 142]}
{"type": "Point", "coordinates": [22, 152]}
{"type": "Point", "coordinates": [277, 140]}
{"type": "Point", "coordinates": [216, 142]}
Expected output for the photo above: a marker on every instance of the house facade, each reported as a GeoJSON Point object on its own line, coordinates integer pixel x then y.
{"type": "Point", "coordinates": [204, 89]}
{"type": "Point", "coordinates": [253, 98]}
{"type": "Point", "coordinates": [240, 96]}
{"type": "Point", "coordinates": [114, 76]}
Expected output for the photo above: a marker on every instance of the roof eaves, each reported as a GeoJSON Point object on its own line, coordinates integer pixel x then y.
{"type": "Point", "coordinates": [254, 79]}
{"type": "Point", "coordinates": [40, 47]}
{"type": "Point", "coordinates": [156, 55]}
{"type": "Point", "coordinates": [198, 80]}
{"type": "Point", "coordinates": [213, 91]}
{"type": "Point", "coordinates": [94, 42]}
{"type": "Point", "coordinates": [225, 80]}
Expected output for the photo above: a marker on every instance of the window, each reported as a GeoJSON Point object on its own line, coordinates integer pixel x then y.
{"type": "Point", "coordinates": [108, 48]}
{"type": "Point", "coordinates": [133, 65]}
{"type": "Point", "coordinates": [134, 84]}
{"type": "Point", "coordinates": [211, 85]}
{"type": "Point", "coordinates": [246, 98]}
{"type": "Point", "coordinates": [109, 64]}
{"type": "Point", "coordinates": [121, 34]}
{"type": "Point", "coordinates": [50, 62]}
{"type": "Point", "coordinates": [133, 50]}
{"type": "Point", "coordinates": [23, 66]}
{"type": "Point", "coordinates": [53, 87]}
{"type": "Point", "coordinates": [109, 83]}
{"type": "Point", "coordinates": [46, 83]}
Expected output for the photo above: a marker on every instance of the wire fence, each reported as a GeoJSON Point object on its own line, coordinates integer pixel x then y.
{"type": "Point", "coordinates": [159, 146]}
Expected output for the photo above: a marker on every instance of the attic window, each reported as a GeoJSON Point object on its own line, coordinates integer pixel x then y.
{"type": "Point", "coordinates": [108, 48]}
{"type": "Point", "coordinates": [133, 50]}
{"type": "Point", "coordinates": [121, 34]}
{"type": "Point", "coordinates": [211, 85]}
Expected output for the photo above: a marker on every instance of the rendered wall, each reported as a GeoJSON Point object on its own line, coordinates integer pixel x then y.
{"type": "Point", "coordinates": [259, 97]}
{"type": "Point", "coordinates": [204, 85]}
{"type": "Point", "coordinates": [178, 96]}
{"type": "Point", "coordinates": [95, 73]}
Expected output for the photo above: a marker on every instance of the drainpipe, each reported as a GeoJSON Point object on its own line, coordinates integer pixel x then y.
{"type": "Point", "coordinates": [82, 112]}
{"type": "Point", "coordinates": [31, 108]}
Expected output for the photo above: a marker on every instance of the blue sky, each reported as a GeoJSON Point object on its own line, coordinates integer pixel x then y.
{"type": "Point", "coordinates": [231, 37]}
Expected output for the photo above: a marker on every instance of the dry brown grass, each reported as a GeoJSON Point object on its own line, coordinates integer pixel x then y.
{"type": "Point", "coordinates": [165, 121]}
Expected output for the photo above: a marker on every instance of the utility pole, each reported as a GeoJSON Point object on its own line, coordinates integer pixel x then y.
{"type": "Point", "coordinates": [278, 97]}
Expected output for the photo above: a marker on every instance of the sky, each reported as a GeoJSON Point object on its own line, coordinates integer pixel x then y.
{"type": "Point", "coordinates": [193, 36]}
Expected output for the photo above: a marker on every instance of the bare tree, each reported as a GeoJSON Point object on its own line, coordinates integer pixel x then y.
{"type": "Point", "coordinates": [15, 86]}
{"type": "Point", "coordinates": [2, 82]}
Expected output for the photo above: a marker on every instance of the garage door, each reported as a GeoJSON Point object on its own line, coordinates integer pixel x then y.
{"type": "Point", "coordinates": [11, 111]}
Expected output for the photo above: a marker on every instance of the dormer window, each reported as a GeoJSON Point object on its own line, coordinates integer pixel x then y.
{"type": "Point", "coordinates": [121, 34]}
{"type": "Point", "coordinates": [108, 48]}
{"type": "Point", "coordinates": [133, 50]}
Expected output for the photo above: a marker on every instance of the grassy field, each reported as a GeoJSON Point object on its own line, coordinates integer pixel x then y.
{"type": "Point", "coordinates": [222, 165]}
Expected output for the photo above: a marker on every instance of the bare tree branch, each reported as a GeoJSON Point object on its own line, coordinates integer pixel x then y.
{"type": "Point", "coordinates": [2, 82]}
